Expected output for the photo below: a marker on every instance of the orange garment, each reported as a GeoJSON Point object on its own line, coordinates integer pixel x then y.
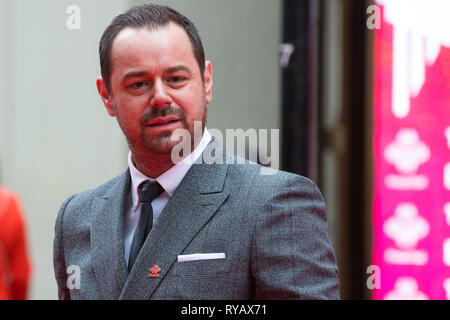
{"type": "Point", "coordinates": [14, 262]}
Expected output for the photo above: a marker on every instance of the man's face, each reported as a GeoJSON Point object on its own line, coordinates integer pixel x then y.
{"type": "Point", "coordinates": [156, 87]}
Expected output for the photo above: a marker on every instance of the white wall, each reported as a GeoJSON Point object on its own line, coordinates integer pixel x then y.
{"type": "Point", "coordinates": [241, 38]}
{"type": "Point", "coordinates": [55, 136]}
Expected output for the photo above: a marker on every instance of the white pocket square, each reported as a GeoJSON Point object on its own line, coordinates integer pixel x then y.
{"type": "Point", "coordinates": [200, 256]}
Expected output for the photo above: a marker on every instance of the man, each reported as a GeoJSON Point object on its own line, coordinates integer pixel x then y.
{"type": "Point", "coordinates": [167, 230]}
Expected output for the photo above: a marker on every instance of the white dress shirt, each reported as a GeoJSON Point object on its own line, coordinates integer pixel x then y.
{"type": "Point", "coordinates": [169, 180]}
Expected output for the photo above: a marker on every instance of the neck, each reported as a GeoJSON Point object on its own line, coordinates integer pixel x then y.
{"type": "Point", "coordinates": [154, 164]}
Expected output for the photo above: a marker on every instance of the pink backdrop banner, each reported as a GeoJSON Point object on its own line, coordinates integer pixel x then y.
{"type": "Point", "coordinates": [411, 149]}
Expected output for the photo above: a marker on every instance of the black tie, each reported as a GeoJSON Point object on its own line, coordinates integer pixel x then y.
{"type": "Point", "coordinates": [148, 191]}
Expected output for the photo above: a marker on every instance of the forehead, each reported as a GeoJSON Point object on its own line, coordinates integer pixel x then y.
{"type": "Point", "coordinates": [145, 48]}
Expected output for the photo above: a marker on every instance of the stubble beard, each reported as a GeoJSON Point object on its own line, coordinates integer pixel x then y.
{"type": "Point", "coordinates": [162, 145]}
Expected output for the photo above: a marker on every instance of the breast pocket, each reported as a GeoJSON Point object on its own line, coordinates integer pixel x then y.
{"type": "Point", "coordinates": [201, 267]}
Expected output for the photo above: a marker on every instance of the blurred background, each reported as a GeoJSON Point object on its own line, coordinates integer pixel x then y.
{"type": "Point", "coordinates": [359, 90]}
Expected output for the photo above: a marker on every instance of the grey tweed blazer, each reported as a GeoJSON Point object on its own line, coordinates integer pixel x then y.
{"type": "Point", "coordinates": [271, 232]}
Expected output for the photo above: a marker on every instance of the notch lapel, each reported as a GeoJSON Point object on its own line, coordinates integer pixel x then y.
{"type": "Point", "coordinates": [107, 238]}
{"type": "Point", "coordinates": [195, 201]}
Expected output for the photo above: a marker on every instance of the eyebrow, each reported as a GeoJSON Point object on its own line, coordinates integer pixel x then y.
{"type": "Point", "coordinates": [134, 74]}
{"type": "Point", "coordinates": [142, 73]}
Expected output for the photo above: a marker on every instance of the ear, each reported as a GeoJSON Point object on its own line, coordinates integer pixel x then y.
{"type": "Point", "coordinates": [105, 96]}
{"type": "Point", "coordinates": [207, 76]}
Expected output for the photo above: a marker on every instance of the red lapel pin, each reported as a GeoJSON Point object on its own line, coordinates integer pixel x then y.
{"type": "Point", "coordinates": [154, 271]}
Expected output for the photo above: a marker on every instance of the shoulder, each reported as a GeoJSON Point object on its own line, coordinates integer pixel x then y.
{"type": "Point", "coordinates": [266, 182]}
{"type": "Point", "coordinates": [273, 195]}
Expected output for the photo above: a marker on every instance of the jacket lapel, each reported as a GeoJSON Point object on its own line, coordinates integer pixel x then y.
{"type": "Point", "coordinates": [197, 198]}
{"type": "Point", "coordinates": [107, 238]}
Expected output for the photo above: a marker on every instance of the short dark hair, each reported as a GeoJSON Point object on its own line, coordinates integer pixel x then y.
{"type": "Point", "coordinates": [149, 16]}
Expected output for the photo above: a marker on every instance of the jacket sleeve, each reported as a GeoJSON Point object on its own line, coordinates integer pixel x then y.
{"type": "Point", "coordinates": [292, 255]}
{"type": "Point", "coordinates": [59, 263]}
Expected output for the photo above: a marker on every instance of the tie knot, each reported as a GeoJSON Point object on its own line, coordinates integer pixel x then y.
{"type": "Point", "coordinates": [150, 190]}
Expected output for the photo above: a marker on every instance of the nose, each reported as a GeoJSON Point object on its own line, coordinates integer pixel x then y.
{"type": "Point", "coordinates": [160, 98]}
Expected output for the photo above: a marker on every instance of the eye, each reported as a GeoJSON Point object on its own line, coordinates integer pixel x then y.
{"type": "Point", "coordinates": [176, 79]}
{"type": "Point", "coordinates": [139, 85]}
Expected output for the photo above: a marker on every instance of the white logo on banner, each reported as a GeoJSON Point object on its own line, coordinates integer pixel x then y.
{"type": "Point", "coordinates": [447, 212]}
{"type": "Point", "coordinates": [446, 252]}
{"type": "Point", "coordinates": [407, 153]}
{"type": "Point", "coordinates": [406, 288]}
{"type": "Point", "coordinates": [406, 257]}
{"type": "Point", "coordinates": [447, 136]}
{"type": "Point", "coordinates": [406, 228]}
{"type": "Point", "coordinates": [447, 176]}
{"type": "Point", "coordinates": [416, 44]}
{"type": "Point", "coordinates": [446, 286]}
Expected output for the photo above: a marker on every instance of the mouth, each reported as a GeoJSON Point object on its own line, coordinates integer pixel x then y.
{"type": "Point", "coordinates": [162, 121]}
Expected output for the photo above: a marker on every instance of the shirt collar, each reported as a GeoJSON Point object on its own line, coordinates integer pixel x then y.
{"type": "Point", "coordinates": [171, 178]}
